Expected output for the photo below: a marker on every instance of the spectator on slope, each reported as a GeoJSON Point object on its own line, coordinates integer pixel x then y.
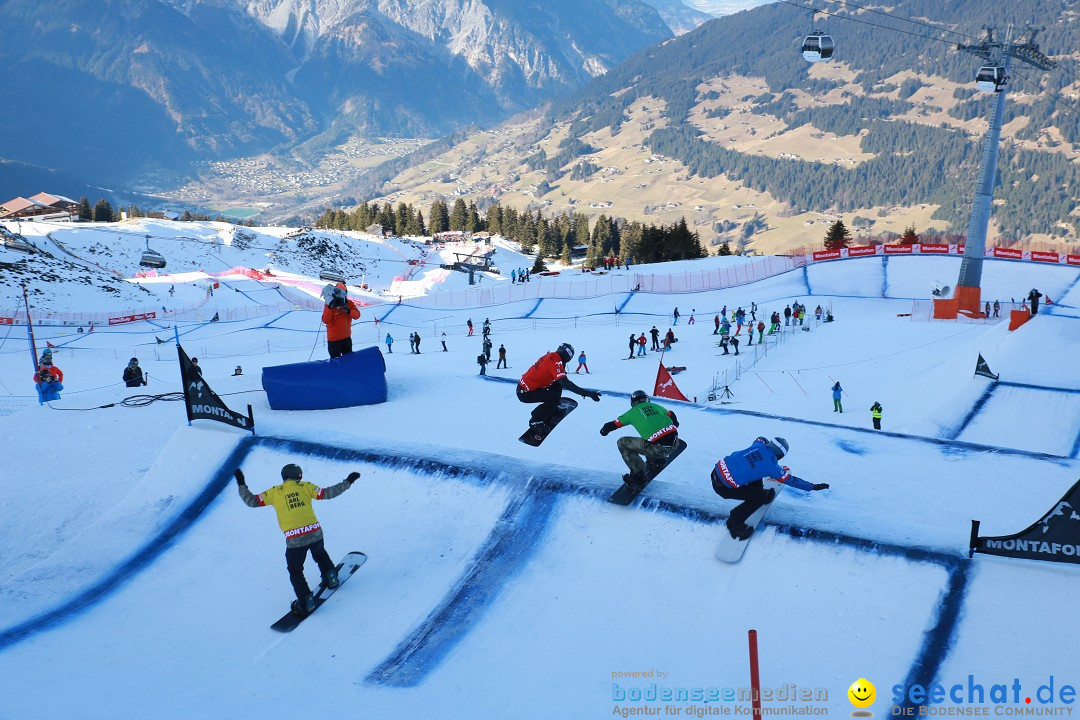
{"type": "Point", "coordinates": [47, 364]}
{"type": "Point", "coordinates": [676, 315]}
{"type": "Point", "coordinates": [389, 343]}
{"type": "Point", "coordinates": [735, 344]}
{"type": "Point", "coordinates": [817, 313]}
{"type": "Point", "coordinates": [837, 394]}
{"type": "Point", "coordinates": [412, 343]}
{"type": "Point", "coordinates": [787, 315]}
{"type": "Point", "coordinates": [986, 310]}
{"type": "Point", "coordinates": [238, 371]}
{"type": "Point", "coordinates": [740, 476]}
{"type": "Point", "coordinates": [196, 367]}
{"type": "Point", "coordinates": [633, 345]}
{"type": "Point", "coordinates": [502, 357]}
{"type": "Point", "coordinates": [487, 349]}
{"type": "Point", "coordinates": [581, 364]}
{"type": "Point", "coordinates": [760, 331]}
{"type": "Point", "coordinates": [997, 308]}
{"type": "Point", "coordinates": [658, 430]}
{"type": "Point", "coordinates": [444, 343]}
{"type": "Point", "coordinates": [338, 315]}
{"type": "Point", "coordinates": [1034, 296]}
{"type": "Point", "coordinates": [875, 414]}
{"type": "Point", "coordinates": [641, 344]}
{"type": "Point", "coordinates": [417, 343]}
{"type": "Point", "coordinates": [292, 500]}
{"type": "Point", "coordinates": [482, 361]}
{"type": "Point", "coordinates": [544, 382]}
{"type": "Point", "coordinates": [48, 387]}
{"type": "Point", "coordinates": [691, 320]}
{"type": "Point", "coordinates": [655, 338]}
{"type": "Point", "coordinates": [133, 374]}
{"type": "Point", "coordinates": [716, 325]}
{"type": "Point", "coordinates": [469, 323]}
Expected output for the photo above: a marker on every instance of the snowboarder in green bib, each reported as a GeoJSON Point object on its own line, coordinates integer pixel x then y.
{"type": "Point", "coordinates": [659, 433]}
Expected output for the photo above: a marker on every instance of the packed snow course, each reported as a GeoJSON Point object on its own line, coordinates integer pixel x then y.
{"type": "Point", "coordinates": [500, 583]}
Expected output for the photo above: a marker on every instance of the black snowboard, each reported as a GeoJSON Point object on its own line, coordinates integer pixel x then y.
{"type": "Point", "coordinates": [626, 494]}
{"type": "Point", "coordinates": [349, 565]}
{"type": "Point", "coordinates": [535, 436]}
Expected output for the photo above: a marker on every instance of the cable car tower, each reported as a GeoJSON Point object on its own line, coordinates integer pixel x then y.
{"type": "Point", "coordinates": [992, 77]}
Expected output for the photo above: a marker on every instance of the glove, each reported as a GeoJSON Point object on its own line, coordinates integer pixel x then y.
{"type": "Point", "coordinates": [786, 469]}
{"type": "Point", "coordinates": [239, 475]}
{"type": "Point", "coordinates": [821, 486]}
{"type": "Point", "coordinates": [592, 394]}
{"type": "Point", "coordinates": [608, 427]}
{"type": "Point", "coordinates": [353, 477]}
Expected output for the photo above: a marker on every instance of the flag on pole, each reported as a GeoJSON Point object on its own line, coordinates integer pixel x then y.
{"type": "Point", "coordinates": [202, 403]}
{"type": "Point", "coordinates": [665, 385]}
{"type": "Point", "coordinates": [981, 368]}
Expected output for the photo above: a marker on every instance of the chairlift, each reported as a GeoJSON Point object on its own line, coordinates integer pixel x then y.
{"type": "Point", "coordinates": [151, 258]}
{"type": "Point", "coordinates": [991, 78]}
{"type": "Point", "coordinates": [818, 47]}
{"type": "Point", "coordinates": [331, 275]}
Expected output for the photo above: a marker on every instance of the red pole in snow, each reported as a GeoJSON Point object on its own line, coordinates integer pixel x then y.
{"type": "Point", "coordinates": [755, 678]}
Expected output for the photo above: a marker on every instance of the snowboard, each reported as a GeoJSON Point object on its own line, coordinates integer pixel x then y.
{"type": "Point", "coordinates": [345, 569]}
{"type": "Point", "coordinates": [537, 435]}
{"type": "Point", "coordinates": [730, 549]}
{"type": "Point", "coordinates": [626, 494]}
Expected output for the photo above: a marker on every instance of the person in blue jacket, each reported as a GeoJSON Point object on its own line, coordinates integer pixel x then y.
{"type": "Point", "coordinates": [740, 475]}
{"type": "Point", "coordinates": [837, 394]}
{"type": "Point", "coordinates": [48, 387]}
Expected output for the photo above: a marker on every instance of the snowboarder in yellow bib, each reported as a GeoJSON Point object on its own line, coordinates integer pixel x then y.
{"type": "Point", "coordinates": [659, 433]}
{"type": "Point", "coordinates": [292, 501]}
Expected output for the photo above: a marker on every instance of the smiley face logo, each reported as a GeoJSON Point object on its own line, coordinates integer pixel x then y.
{"type": "Point", "coordinates": [862, 694]}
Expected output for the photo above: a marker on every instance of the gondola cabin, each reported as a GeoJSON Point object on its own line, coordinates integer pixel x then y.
{"type": "Point", "coordinates": [991, 78]}
{"type": "Point", "coordinates": [818, 47]}
{"type": "Point", "coordinates": [332, 276]}
{"type": "Point", "coordinates": [151, 259]}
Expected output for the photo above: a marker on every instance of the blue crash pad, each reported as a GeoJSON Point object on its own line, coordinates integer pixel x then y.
{"type": "Point", "coordinates": [358, 378]}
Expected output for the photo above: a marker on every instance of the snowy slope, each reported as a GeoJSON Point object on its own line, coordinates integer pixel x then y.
{"type": "Point", "coordinates": [500, 582]}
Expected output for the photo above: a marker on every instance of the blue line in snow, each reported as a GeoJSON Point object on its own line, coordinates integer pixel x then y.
{"type": "Point", "coordinates": [392, 309]}
{"type": "Point", "coordinates": [806, 278]}
{"type": "Point", "coordinates": [938, 640]}
{"type": "Point", "coordinates": [142, 557]}
{"type": "Point", "coordinates": [625, 302]}
{"type": "Point", "coordinates": [979, 404]}
{"type": "Point", "coordinates": [884, 276]}
{"type": "Point", "coordinates": [534, 308]}
{"type": "Point", "coordinates": [515, 538]}
{"type": "Point", "coordinates": [1029, 386]}
{"type": "Point", "coordinates": [946, 443]}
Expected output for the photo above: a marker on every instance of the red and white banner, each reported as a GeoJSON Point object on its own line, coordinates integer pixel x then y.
{"type": "Point", "coordinates": [7, 321]}
{"type": "Point", "coordinates": [899, 249]}
{"type": "Point", "coordinates": [862, 251]}
{"type": "Point", "coordinates": [1072, 259]}
{"type": "Point", "coordinates": [1038, 256]}
{"type": "Point", "coordinates": [826, 255]}
{"type": "Point", "coordinates": [932, 249]}
{"type": "Point", "coordinates": [132, 318]}
{"type": "Point", "coordinates": [1010, 253]}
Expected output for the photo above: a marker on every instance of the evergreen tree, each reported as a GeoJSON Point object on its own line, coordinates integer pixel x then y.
{"type": "Point", "coordinates": [421, 229]}
{"type": "Point", "coordinates": [539, 266]}
{"type": "Point", "coordinates": [633, 239]}
{"type": "Point", "coordinates": [493, 219]}
{"type": "Point", "coordinates": [439, 218]}
{"type": "Point", "coordinates": [401, 218]}
{"type": "Point", "coordinates": [565, 257]}
{"type": "Point", "coordinates": [473, 223]}
{"type": "Point", "coordinates": [909, 237]}
{"type": "Point", "coordinates": [526, 234]}
{"type": "Point", "coordinates": [838, 236]}
{"type": "Point", "coordinates": [725, 248]}
{"type": "Point", "coordinates": [386, 218]}
{"type": "Point", "coordinates": [85, 213]}
{"type": "Point", "coordinates": [459, 216]}
{"type": "Point", "coordinates": [103, 211]}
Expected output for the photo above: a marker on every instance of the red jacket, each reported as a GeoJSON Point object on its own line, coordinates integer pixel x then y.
{"type": "Point", "coordinates": [339, 321]}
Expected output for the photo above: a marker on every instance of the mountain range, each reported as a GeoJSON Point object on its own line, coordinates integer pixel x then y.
{"type": "Point", "coordinates": [109, 91]}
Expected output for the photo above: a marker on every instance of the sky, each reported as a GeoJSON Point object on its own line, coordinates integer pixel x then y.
{"type": "Point", "coordinates": [499, 579]}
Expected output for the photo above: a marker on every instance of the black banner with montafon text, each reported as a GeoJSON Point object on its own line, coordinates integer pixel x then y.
{"type": "Point", "coordinates": [203, 403]}
{"type": "Point", "coordinates": [1056, 537]}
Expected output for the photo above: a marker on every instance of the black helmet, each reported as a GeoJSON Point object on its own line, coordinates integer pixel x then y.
{"type": "Point", "coordinates": [291, 472]}
{"type": "Point", "coordinates": [638, 396]}
{"type": "Point", "coordinates": [779, 447]}
{"type": "Point", "coordinates": [133, 361]}
{"type": "Point", "coordinates": [566, 352]}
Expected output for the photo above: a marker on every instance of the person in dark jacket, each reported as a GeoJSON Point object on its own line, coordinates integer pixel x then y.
{"type": "Point", "coordinates": [133, 374]}
{"type": "Point", "coordinates": [292, 500]}
{"type": "Point", "coordinates": [1033, 297]}
{"type": "Point", "coordinates": [875, 414]}
{"type": "Point", "coordinates": [741, 475]}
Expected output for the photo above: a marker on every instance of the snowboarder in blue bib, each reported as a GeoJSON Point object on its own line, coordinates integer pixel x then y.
{"type": "Point", "coordinates": [740, 476]}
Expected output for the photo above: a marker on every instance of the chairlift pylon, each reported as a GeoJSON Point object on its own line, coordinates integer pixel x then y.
{"type": "Point", "coordinates": [151, 258]}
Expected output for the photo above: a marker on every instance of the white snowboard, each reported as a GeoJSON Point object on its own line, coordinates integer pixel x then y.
{"type": "Point", "coordinates": [731, 550]}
